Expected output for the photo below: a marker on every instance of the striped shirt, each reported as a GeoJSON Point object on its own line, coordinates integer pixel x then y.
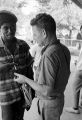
{"type": "Point", "coordinates": [9, 89]}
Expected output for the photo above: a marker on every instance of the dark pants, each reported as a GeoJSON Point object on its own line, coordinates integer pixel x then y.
{"type": "Point", "coordinates": [14, 111]}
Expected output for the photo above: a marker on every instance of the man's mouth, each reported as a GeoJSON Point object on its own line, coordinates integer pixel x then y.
{"type": "Point", "coordinates": [9, 35]}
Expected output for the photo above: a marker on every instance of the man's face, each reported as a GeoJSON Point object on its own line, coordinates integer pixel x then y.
{"type": "Point", "coordinates": [38, 35]}
{"type": "Point", "coordinates": [7, 31]}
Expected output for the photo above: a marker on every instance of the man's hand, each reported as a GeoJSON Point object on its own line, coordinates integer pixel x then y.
{"type": "Point", "coordinates": [19, 78]}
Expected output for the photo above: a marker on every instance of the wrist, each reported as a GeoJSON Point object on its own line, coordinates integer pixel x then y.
{"type": "Point", "coordinates": [25, 80]}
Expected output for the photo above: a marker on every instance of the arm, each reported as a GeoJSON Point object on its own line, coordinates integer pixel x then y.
{"type": "Point", "coordinates": [24, 60]}
{"type": "Point", "coordinates": [44, 86]}
{"type": "Point", "coordinates": [43, 89]}
{"type": "Point", "coordinates": [22, 79]}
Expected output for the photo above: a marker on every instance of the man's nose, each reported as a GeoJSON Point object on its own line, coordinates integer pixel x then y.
{"type": "Point", "coordinates": [9, 30]}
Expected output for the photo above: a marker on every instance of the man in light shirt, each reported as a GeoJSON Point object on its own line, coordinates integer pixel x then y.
{"type": "Point", "coordinates": [52, 72]}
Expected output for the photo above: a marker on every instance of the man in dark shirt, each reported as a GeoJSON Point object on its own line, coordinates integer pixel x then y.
{"type": "Point", "coordinates": [79, 35]}
{"type": "Point", "coordinates": [14, 56]}
{"type": "Point", "coordinates": [52, 72]}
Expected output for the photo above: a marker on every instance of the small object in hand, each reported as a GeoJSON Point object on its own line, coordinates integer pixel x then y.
{"type": "Point", "coordinates": [15, 76]}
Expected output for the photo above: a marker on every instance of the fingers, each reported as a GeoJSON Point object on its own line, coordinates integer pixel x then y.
{"type": "Point", "coordinates": [19, 78]}
{"type": "Point", "coordinates": [16, 74]}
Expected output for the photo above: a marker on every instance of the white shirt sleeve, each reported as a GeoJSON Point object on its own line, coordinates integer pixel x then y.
{"type": "Point", "coordinates": [33, 50]}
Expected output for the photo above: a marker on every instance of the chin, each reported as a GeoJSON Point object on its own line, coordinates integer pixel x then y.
{"type": "Point", "coordinates": [10, 37]}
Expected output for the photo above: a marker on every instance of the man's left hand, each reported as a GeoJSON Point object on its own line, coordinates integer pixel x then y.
{"type": "Point", "coordinates": [19, 78]}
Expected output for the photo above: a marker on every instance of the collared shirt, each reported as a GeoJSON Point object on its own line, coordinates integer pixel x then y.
{"type": "Point", "coordinates": [54, 68]}
{"type": "Point", "coordinates": [9, 89]}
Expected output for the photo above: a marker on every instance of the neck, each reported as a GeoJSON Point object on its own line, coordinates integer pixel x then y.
{"type": "Point", "coordinates": [50, 39]}
{"type": "Point", "coordinates": [8, 42]}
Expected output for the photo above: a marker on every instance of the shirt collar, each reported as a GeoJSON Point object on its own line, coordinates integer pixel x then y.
{"type": "Point", "coordinates": [4, 46]}
{"type": "Point", "coordinates": [54, 42]}
{"type": "Point", "coordinates": [1, 43]}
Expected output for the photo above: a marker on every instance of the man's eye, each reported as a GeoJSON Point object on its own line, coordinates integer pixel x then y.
{"type": "Point", "coordinates": [5, 28]}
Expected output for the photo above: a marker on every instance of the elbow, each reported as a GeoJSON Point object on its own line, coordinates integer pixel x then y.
{"type": "Point", "coordinates": [47, 91]}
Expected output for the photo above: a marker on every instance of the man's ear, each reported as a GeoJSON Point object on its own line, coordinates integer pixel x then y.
{"type": "Point", "coordinates": [44, 33]}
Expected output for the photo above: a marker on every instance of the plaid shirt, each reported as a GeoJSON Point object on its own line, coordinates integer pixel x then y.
{"type": "Point", "coordinates": [9, 89]}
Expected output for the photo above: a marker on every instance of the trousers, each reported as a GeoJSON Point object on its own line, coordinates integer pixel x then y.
{"type": "Point", "coordinates": [46, 109]}
{"type": "Point", "coordinates": [13, 111]}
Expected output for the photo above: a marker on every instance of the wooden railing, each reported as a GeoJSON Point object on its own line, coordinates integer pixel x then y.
{"type": "Point", "coordinates": [70, 42]}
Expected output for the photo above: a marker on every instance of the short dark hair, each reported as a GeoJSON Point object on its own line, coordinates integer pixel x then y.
{"type": "Point", "coordinates": [7, 17]}
{"type": "Point", "coordinates": [45, 21]}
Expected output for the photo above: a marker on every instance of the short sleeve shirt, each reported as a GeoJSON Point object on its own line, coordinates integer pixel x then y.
{"type": "Point", "coordinates": [53, 69]}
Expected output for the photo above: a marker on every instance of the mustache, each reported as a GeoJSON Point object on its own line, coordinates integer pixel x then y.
{"type": "Point", "coordinates": [10, 34]}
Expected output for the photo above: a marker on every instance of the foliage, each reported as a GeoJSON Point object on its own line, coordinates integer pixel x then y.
{"type": "Point", "coordinates": [65, 12]}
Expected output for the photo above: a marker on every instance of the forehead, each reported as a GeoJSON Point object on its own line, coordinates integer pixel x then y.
{"type": "Point", "coordinates": [7, 24]}
{"type": "Point", "coordinates": [36, 29]}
